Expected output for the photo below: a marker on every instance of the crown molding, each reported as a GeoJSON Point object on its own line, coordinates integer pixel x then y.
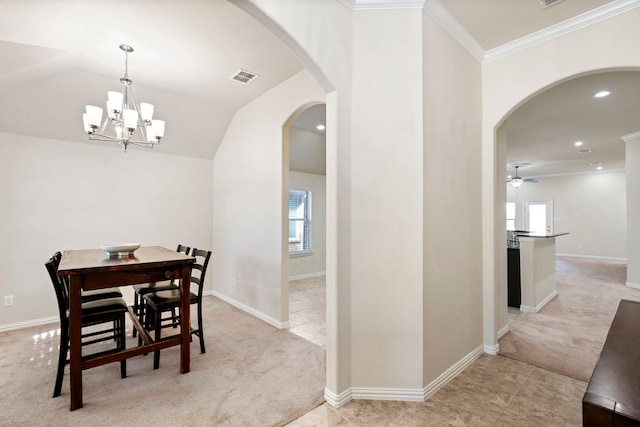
{"type": "Point", "coordinates": [630, 137]}
{"type": "Point", "coordinates": [568, 26]}
{"type": "Point", "coordinates": [442, 16]}
{"type": "Point", "coordinates": [382, 4]}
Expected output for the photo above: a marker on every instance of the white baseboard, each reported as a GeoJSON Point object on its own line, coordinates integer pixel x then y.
{"type": "Point", "coordinates": [306, 276]}
{"type": "Point", "coordinates": [260, 315]}
{"type": "Point", "coordinates": [606, 258]}
{"type": "Point", "coordinates": [502, 332]}
{"type": "Point", "coordinates": [633, 285]}
{"type": "Point", "coordinates": [337, 400]}
{"type": "Point", "coordinates": [451, 373]}
{"type": "Point", "coordinates": [537, 308]}
{"type": "Point", "coordinates": [29, 323]}
{"type": "Point", "coordinates": [491, 349]}
{"type": "Point", "coordinates": [407, 395]}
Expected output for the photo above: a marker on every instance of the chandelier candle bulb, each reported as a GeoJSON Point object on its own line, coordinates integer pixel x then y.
{"type": "Point", "coordinates": [150, 134]}
{"type": "Point", "coordinates": [115, 97]}
{"type": "Point", "coordinates": [130, 118]}
{"type": "Point", "coordinates": [85, 121]}
{"type": "Point", "coordinates": [158, 128]}
{"type": "Point", "coordinates": [94, 115]}
{"type": "Point", "coordinates": [146, 111]}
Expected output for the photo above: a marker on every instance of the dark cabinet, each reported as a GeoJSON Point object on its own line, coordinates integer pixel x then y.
{"type": "Point", "coordinates": [513, 278]}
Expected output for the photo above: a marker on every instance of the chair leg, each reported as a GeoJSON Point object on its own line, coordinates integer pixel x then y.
{"type": "Point", "coordinates": [62, 359]}
{"type": "Point", "coordinates": [122, 344]}
{"type": "Point", "coordinates": [158, 328]}
{"type": "Point", "coordinates": [141, 316]}
{"type": "Point", "coordinates": [200, 328]}
{"type": "Point", "coordinates": [174, 319]}
{"type": "Point", "coordinates": [136, 307]}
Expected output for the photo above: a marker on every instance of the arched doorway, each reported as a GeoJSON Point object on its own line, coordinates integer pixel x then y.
{"type": "Point", "coordinates": [304, 145]}
{"type": "Point", "coordinates": [503, 135]}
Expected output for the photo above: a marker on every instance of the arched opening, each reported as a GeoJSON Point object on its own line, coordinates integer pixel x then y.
{"type": "Point", "coordinates": [304, 185]}
{"type": "Point", "coordinates": [540, 135]}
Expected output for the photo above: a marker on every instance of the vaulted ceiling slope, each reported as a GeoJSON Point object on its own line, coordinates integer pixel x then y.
{"type": "Point", "coordinates": [57, 56]}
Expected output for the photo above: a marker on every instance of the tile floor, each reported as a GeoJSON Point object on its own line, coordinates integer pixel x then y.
{"type": "Point", "coordinates": [307, 309]}
{"type": "Point", "coordinates": [493, 391]}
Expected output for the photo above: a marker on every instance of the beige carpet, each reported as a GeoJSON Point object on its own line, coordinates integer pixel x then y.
{"type": "Point", "coordinates": [251, 375]}
{"type": "Point", "coordinates": [567, 335]}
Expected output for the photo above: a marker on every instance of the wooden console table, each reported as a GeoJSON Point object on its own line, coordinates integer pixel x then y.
{"type": "Point", "coordinates": [612, 397]}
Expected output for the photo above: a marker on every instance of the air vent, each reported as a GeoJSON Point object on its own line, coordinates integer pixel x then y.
{"type": "Point", "coordinates": [586, 150]}
{"type": "Point", "coordinates": [547, 3]}
{"type": "Point", "coordinates": [244, 76]}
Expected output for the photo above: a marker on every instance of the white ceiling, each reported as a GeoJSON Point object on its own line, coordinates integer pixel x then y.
{"type": "Point", "coordinates": [58, 55]}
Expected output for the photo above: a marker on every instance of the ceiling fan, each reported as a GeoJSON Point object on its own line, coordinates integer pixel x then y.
{"type": "Point", "coordinates": [517, 181]}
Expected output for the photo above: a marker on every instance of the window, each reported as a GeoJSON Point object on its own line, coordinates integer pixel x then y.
{"type": "Point", "coordinates": [299, 221]}
{"type": "Point", "coordinates": [511, 216]}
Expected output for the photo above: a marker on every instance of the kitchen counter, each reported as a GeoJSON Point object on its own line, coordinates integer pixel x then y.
{"type": "Point", "coordinates": [538, 234]}
{"type": "Point", "coordinates": [535, 256]}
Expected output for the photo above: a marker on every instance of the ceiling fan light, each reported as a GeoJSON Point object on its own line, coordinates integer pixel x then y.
{"type": "Point", "coordinates": [516, 182]}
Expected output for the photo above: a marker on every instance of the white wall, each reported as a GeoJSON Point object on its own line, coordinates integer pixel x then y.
{"type": "Point", "coordinates": [57, 195]}
{"type": "Point", "coordinates": [386, 201]}
{"type": "Point", "coordinates": [314, 263]}
{"type": "Point", "coordinates": [452, 202]}
{"type": "Point", "coordinates": [590, 207]}
{"type": "Point", "coordinates": [632, 162]}
{"type": "Point", "coordinates": [249, 269]}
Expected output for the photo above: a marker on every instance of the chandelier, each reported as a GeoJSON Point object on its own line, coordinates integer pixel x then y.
{"type": "Point", "coordinates": [125, 116]}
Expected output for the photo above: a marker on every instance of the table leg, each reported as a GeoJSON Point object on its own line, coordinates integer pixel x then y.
{"type": "Point", "coordinates": [185, 320]}
{"type": "Point", "coordinates": [75, 341]}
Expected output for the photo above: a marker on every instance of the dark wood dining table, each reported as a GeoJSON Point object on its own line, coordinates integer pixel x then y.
{"type": "Point", "coordinates": [90, 269]}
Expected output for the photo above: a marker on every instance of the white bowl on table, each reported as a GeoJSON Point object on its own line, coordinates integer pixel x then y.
{"type": "Point", "coordinates": [120, 250]}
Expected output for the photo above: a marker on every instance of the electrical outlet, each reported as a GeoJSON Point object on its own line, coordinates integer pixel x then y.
{"type": "Point", "coordinates": [233, 282]}
{"type": "Point", "coordinates": [8, 300]}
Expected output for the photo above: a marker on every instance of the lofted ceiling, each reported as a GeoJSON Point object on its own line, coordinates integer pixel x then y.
{"type": "Point", "coordinates": [58, 55]}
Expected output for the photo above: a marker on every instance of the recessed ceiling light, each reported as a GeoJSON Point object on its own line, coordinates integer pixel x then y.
{"type": "Point", "coordinates": [599, 168]}
{"type": "Point", "coordinates": [577, 143]}
{"type": "Point", "coordinates": [602, 94]}
{"type": "Point", "coordinates": [321, 127]}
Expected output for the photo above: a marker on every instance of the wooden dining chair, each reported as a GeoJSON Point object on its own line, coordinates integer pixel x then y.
{"type": "Point", "coordinates": [159, 302]}
{"type": "Point", "coordinates": [95, 312]}
{"type": "Point", "coordinates": [144, 288]}
{"type": "Point", "coordinates": [89, 295]}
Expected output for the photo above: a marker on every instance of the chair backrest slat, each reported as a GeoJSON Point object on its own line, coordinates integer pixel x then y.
{"type": "Point", "coordinates": [202, 261]}
{"type": "Point", "coordinates": [62, 295]}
